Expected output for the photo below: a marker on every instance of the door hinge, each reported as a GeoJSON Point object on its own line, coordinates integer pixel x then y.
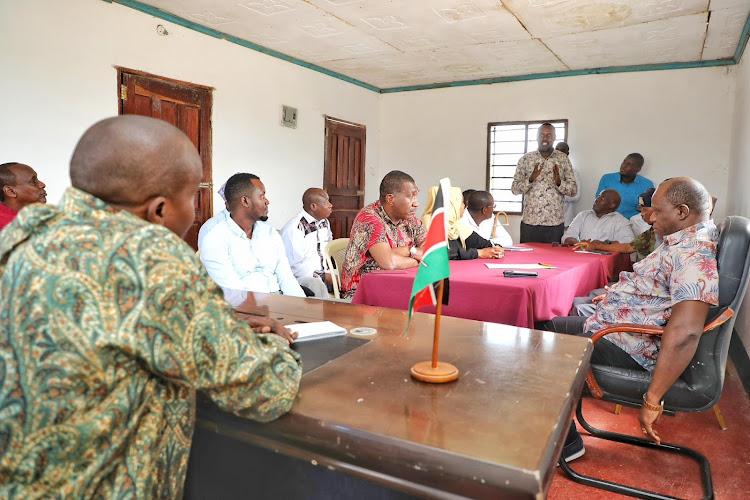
{"type": "Point", "coordinates": [124, 92]}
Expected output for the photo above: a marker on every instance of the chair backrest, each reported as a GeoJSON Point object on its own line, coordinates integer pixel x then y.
{"type": "Point", "coordinates": [334, 253]}
{"type": "Point", "coordinates": [705, 374]}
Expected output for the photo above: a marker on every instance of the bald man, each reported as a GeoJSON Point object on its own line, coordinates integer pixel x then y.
{"type": "Point", "coordinates": [600, 224]}
{"type": "Point", "coordinates": [19, 187]}
{"type": "Point", "coordinates": [110, 326]}
{"type": "Point", "coordinates": [305, 236]}
{"type": "Point", "coordinates": [673, 287]}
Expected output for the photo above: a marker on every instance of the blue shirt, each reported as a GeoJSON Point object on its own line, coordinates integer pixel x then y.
{"type": "Point", "coordinates": [256, 264]}
{"type": "Point", "coordinates": [628, 192]}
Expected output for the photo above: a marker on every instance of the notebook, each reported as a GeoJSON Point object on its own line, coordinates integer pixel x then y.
{"type": "Point", "coordinates": [317, 330]}
{"type": "Point", "coordinates": [518, 249]}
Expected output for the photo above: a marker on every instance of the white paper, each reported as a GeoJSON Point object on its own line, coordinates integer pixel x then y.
{"type": "Point", "coordinates": [518, 249]}
{"type": "Point", "coordinates": [518, 266]}
{"type": "Point", "coordinates": [316, 330]}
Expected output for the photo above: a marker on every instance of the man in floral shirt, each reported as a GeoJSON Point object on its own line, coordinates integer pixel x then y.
{"type": "Point", "coordinates": [673, 286]}
{"type": "Point", "coordinates": [386, 234]}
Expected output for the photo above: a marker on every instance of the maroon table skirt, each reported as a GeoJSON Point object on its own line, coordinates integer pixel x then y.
{"type": "Point", "coordinates": [483, 294]}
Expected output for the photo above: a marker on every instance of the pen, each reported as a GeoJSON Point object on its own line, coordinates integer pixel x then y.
{"type": "Point", "coordinates": [544, 265]}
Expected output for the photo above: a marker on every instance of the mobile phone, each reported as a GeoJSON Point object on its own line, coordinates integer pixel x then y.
{"type": "Point", "coordinates": [520, 274]}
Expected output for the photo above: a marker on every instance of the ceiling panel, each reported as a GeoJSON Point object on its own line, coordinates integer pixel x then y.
{"type": "Point", "coordinates": [397, 43]}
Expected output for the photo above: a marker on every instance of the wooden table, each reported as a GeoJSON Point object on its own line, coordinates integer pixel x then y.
{"type": "Point", "coordinates": [486, 295]}
{"type": "Point", "coordinates": [361, 422]}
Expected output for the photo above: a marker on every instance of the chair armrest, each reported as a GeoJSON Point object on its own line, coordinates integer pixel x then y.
{"type": "Point", "coordinates": [596, 391]}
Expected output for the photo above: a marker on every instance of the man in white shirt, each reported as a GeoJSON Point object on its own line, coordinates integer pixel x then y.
{"type": "Point", "coordinates": [239, 249]}
{"type": "Point", "coordinates": [602, 223]}
{"type": "Point", "coordinates": [305, 236]}
{"type": "Point", "coordinates": [478, 216]}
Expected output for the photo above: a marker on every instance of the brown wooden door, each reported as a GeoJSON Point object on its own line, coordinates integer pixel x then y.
{"type": "Point", "coordinates": [188, 108]}
{"type": "Point", "coordinates": [344, 173]}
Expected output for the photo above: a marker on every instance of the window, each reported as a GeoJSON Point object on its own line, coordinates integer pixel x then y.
{"type": "Point", "coordinates": [507, 142]}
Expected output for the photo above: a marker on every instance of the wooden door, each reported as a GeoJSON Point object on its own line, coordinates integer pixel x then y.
{"type": "Point", "coordinates": [344, 173]}
{"type": "Point", "coordinates": [188, 108]}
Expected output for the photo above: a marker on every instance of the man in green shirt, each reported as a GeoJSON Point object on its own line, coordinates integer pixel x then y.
{"type": "Point", "coordinates": [109, 325]}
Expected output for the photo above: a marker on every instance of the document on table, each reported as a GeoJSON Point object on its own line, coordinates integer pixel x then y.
{"type": "Point", "coordinates": [595, 252]}
{"type": "Point", "coordinates": [519, 266]}
{"type": "Point", "coordinates": [518, 249]}
{"type": "Point", "coordinates": [316, 330]}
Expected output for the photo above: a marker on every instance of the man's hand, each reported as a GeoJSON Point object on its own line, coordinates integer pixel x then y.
{"type": "Point", "coordinates": [598, 298]}
{"type": "Point", "coordinates": [536, 172]}
{"type": "Point", "coordinates": [556, 174]}
{"type": "Point", "coordinates": [491, 253]}
{"type": "Point", "coordinates": [264, 324]}
{"type": "Point", "coordinates": [586, 245]}
{"type": "Point", "coordinates": [648, 418]}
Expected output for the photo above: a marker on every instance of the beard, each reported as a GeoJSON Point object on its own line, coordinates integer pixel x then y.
{"type": "Point", "coordinates": [264, 218]}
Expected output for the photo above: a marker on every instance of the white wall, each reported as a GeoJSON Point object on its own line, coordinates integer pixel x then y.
{"type": "Point", "coordinates": [739, 173]}
{"type": "Point", "coordinates": [679, 120]}
{"type": "Point", "coordinates": [58, 78]}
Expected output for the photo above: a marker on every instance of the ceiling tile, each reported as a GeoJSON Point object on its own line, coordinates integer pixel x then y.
{"type": "Point", "coordinates": [724, 32]}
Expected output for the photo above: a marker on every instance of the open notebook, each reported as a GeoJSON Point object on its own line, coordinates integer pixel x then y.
{"type": "Point", "coordinates": [317, 330]}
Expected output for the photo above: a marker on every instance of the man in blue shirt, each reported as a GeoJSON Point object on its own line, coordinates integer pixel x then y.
{"type": "Point", "coordinates": [628, 183]}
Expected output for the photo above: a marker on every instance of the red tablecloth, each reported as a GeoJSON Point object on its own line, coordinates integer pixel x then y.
{"type": "Point", "coordinates": [483, 294]}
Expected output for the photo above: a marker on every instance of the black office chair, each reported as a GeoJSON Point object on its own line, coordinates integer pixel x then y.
{"type": "Point", "coordinates": [699, 387]}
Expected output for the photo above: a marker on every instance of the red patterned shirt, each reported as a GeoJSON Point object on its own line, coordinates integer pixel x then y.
{"type": "Point", "coordinates": [6, 215]}
{"type": "Point", "coordinates": [683, 268]}
{"type": "Point", "coordinates": [372, 226]}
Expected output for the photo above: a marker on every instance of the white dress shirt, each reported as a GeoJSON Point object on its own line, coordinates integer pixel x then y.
{"type": "Point", "coordinates": [570, 201]}
{"type": "Point", "coordinates": [256, 264]}
{"type": "Point", "coordinates": [304, 240]}
{"type": "Point", "coordinates": [484, 230]}
{"type": "Point", "coordinates": [587, 226]}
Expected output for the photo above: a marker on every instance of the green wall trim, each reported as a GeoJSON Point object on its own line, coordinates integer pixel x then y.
{"type": "Point", "coordinates": [158, 13]}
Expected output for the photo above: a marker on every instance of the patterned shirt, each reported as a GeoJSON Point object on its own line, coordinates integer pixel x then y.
{"type": "Point", "coordinates": [645, 242]}
{"type": "Point", "coordinates": [304, 240]}
{"type": "Point", "coordinates": [108, 326]}
{"type": "Point", "coordinates": [683, 268]}
{"type": "Point", "coordinates": [372, 226]}
{"type": "Point", "coordinates": [543, 200]}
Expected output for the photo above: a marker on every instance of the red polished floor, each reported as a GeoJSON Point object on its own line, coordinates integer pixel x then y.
{"type": "Point", "coordinates": [727, 451]}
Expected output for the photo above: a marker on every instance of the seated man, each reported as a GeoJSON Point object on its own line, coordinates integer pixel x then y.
{"type": "Point", "coordinates": [305, 236]}
{"type": "Point", "coordinates": [100, 375]}
{"type": "Point", "coordinates": [628, 183]}
{"type": "Point", "coordinates": [19, 186]}
{"type": "Point", "coordinates": [479, 217]}
{"type": "Point", "coordinates": [386, 234]}
{"type": "Point", "coordinates": [239, 249]}
{"type": "Point", "coordinates": [643, 244]}
{"type": "Point", "coordinates": [674, 286]}
{"type": "Point", "coordinates": [601, 223]}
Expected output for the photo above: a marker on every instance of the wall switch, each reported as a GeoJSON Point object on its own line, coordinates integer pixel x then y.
{"type": "Point", "coordinates": [288, 116]}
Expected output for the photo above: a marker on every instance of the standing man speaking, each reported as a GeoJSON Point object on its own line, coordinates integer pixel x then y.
{"type": "Point", "coordinates": [544, 177]}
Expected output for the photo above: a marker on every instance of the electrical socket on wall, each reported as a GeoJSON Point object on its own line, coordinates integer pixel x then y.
{"type": "Point", "coordinates": [288, 116]}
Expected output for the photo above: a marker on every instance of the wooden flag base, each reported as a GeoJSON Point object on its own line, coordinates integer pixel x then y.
{"type": "Point", "coordinates": [442, 373]}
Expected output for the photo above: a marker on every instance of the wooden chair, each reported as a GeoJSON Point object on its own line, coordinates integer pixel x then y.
{"type": "Point", "coordinates": [699, 387]}
{"type": "Point", "coordinates": [334, 253]}
{"type": "Point", "coordinates": [495, 222]}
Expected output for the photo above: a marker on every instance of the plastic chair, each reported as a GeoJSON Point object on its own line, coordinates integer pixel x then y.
{"type": "Point", "coordinates": [699, 387]}
{"type": "Point", "coordinates": [334, 253]}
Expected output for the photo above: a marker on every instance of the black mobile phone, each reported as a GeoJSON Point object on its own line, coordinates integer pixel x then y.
{"type": "Point", "coordinates": [520, 274]}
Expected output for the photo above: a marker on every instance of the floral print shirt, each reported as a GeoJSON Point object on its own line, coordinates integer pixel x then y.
{"type": "Point", "coordinates": [682, 268]}
{"type": "Point", "coordinates": [372, 226]}
{"type": "Point", "coordinates": [543, 200]}
{"type": "Point", "coordinates": [108, 326]}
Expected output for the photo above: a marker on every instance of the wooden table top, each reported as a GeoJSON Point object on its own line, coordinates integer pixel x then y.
{"type": "Point", "coordinates": [498, 428]}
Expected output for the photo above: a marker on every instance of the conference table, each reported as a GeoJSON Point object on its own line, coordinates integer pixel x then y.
{"type": "Point", "coordinates": [483, 294]}
{"type": "Point", "coordinates": [361, 427]}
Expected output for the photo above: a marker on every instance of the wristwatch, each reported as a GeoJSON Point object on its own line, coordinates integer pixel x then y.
{"type": "Point", "coordinates": [652, 407]}
{"type": "Point", "coordinates": [413, 252]}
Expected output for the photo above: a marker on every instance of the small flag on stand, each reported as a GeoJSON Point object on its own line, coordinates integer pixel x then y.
{"type": "Point", "coordinates": [434, 265]}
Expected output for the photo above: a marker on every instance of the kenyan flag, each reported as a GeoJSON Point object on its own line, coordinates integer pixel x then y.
{"type": "Point", "coordinates": [434, 266]}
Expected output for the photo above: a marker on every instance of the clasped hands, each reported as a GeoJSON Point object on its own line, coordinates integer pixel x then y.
{"type": "Point", "coordinates": [538, 170]}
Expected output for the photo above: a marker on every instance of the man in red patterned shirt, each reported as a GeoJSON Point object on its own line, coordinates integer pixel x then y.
{"type": "Point", "coordinates": [386, 234]}
{"type": "Point", "coordinates": [19, 186]}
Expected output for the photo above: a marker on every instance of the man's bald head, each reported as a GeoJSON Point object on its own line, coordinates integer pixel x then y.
{"type": "Point", "coordinates": [678, 204]}
{"type": "Point", "coordinates": [312, 195]}
{"type": "Point", "coordinates": [127, 160]}
{"type": "Point", "coordinates": [315, 201]}
{"type": "Point", "coordinates": [687, 191]}
{"type": "Point", "coordinates": [607, 202]}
